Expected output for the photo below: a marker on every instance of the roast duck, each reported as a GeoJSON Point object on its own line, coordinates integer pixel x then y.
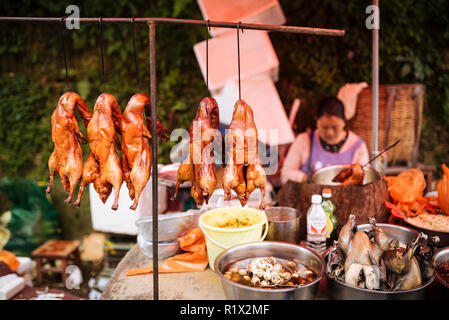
{"type": "Point", "coordinates": [353, 175]}
{"type": "Point", "coordinates": [67, 157]}
{"type": "Point", "coordinates": [103, 167]}
{"type": "Point", "coordinates": [199, 166]}
{"type": "Point", "coordinates": [136, 152]}
{"type": "Point", "coordinates": [243, 172]}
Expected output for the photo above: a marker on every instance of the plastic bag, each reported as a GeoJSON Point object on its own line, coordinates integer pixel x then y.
{"type": "Point", "coordinates": [34, 220]}
{"type": "Point", "coordinates": [443, 190]}
{"type": "Point", "coordinates": [408, 186]}
{"type": "Point", "coordinates": [10, 259]}
{"type": "Point", "coordinates": [194, 260]}
{"type": "Point", "coordinates": [406, 189]}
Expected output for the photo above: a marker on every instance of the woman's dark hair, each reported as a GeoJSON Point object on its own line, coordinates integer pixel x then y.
{"type": "Point", "coordinates": [332, 107]}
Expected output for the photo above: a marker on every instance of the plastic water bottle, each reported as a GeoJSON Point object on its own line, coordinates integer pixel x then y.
{"type": "Point", "coordinates": [316, 225]}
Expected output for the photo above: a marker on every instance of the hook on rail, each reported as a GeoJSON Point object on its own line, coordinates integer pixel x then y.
{"type": "Point", "coordinates": [100, 22]}
{"type": "Point", "coordinates": [208, 28]}
{"type": "Point", "coordinates": [61, 33]}
{"type": "Point", "coordinates": [135, 55]}
{"type": "Point", "coordinates": [239, 27]}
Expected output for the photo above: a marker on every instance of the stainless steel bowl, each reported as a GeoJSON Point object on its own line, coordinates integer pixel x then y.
{"type": "Point", "coordinates": [283, 224]}
{"type": "Point", "coordinates": [440, 257]}
{"type": "Point", "coordinates": [283, 250]}
{"type": "Point", "coordinates": [326, 174]}
{"type": "Point", "coordinates": [403, 234]}
{"type": "Point", "coordinates": [341, 291]}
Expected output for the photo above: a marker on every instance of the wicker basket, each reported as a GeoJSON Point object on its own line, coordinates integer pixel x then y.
{"type": "Point", "coordinates": [400, 117]}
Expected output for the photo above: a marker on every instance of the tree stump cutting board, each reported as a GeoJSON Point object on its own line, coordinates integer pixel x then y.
{"type": "Point", "coordinates": [362, 201]}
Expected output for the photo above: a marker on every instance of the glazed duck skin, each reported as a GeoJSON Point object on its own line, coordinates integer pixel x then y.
{"type": "Point", "coordinates": [244, 171]}
{"type": "Point", "coordinates": [199, 166]}
{"type": "Point", "coordinates": [103, 166]}
{"type": "Point", "coordinates": [67, 157]}
{"type": "Point", "coordinates": [136, 153]}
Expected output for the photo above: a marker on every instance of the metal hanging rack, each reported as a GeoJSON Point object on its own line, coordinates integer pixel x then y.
{"type": "Point", "coordinates": [152, 22]}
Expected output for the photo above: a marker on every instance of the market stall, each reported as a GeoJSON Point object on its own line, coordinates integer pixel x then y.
{"type": "Point", "coordinates": [224, 255]}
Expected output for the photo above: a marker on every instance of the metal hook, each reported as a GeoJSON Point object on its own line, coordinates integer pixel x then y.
{"type": "Point", "coordinates": [100, 20]}
{"type": "Point", "coordinates": [238, 57]}
{"type": "Point", "coordinates": [61, 20]}
{"type": "Point", "coordinates": [134, 53]}
{"type": "Point", "coordinates": [207, 54]}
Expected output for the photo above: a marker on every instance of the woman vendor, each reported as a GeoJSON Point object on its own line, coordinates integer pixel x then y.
{"type": "Point", "coordinates": [331, 143]}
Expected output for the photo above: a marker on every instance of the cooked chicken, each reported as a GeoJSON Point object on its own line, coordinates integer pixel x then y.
{"type": "Point", "coordinates": [136, 153]}
{"type": "Point", "coordinates": [256, 178]}
{"type": "Point", "coordinates": [67, 157]}
{"type": "Point", "coordinates": [103, 165]}
{"type": "Point", "coordinates": [244, 171]}
{"type": "Point", "coordinates": [352, 175]}
{"type": "Point", "coordinates": [199, 166]}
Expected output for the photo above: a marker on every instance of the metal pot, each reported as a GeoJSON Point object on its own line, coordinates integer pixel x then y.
{"type": "Point", "coordinates": [326, 174]}
{"type": "Point", "coordinates": [283, 250]}
{"type": "Point", "coordinates": [440, 257]}
{"type": "Point", "coordinates": [341, 291]}
{"type": "Point", "coordinates": [403, 234]}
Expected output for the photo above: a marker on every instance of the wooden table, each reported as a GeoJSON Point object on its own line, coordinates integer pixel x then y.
{"type": "Point", "coordinates": [172, 286]}
{"type": "Point", "coordinates": [52, 250]}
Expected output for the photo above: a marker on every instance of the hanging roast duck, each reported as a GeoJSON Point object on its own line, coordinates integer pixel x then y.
{"type": "Point", "coordinates": [67, 157]}
{"type": "Point", "coordinates": [102, 167]}
{"type": "Point", "coordinates": [199, 166]}
{"type": "Point", "coordinates": [136, 153]}
{"type": "Point", "coordinates": [243, 172]}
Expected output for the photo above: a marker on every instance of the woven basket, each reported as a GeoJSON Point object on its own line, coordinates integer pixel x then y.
{"type": "Point", "coordinates": [400, 117]}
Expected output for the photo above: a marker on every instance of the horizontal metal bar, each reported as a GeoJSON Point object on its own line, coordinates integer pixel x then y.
{"type": "Point", "coordinates": [220, 24]}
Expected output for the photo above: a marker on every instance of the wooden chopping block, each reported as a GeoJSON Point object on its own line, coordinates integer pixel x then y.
{"type": "Point", "coordinates": [362, 201]}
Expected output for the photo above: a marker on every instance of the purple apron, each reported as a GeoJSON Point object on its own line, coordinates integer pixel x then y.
{"type": "Point", "coordinates": [321, 158]}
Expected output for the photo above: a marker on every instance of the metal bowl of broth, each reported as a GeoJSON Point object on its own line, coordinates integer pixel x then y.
{"type": "Point", "coordinates": [280, 250]}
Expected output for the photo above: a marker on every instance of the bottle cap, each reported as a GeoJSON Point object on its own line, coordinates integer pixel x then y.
{"type": "Point", "coordinates": [316, 199]}
{"type": "Point", "coordinates": [327, 193]}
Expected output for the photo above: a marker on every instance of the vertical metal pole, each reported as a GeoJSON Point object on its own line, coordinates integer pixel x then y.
{"type": "Point", "coordinates": [152, 39]}
{"type": "Point", "coordinates": [375, 90]}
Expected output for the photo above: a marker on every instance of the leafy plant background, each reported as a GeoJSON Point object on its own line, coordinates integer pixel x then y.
{"type": "Point", "coordinates": [414, 47]}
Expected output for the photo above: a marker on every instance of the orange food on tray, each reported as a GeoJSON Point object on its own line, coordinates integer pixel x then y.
{"type": "Point", "coordinates": [443, 190]}
{"type": "Point", "coordinates": [406, 190]}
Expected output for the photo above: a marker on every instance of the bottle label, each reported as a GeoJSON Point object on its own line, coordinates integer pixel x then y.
{"type": "Point", "coordinates": [317, 225]}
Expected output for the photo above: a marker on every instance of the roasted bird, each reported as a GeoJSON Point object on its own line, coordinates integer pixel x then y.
{"type": "Point", "coordinates": [199, 166]}
{"type": "Point", "coordinates": [352, 175]}
{"type": "Point", "coordinates": [244, 171]}
{"type": "Point", "coordinates": [103, 166]}
{"type": "Point", "coordinates": [136, 153]}
{"type": "Point", "coordinates": [67, 157]}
